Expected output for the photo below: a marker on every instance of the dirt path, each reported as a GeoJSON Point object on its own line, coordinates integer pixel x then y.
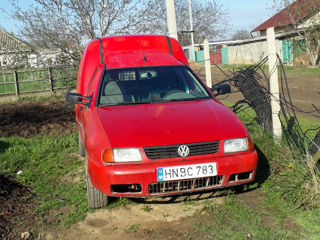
{"type": "Point", "coordinates": [154, 219]}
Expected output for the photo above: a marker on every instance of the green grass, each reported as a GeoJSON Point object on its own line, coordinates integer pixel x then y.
{"type": "Point", "coordinates": [235, 220]}
{"type": "Point", "coordinates": [44, 161]}
{"type": "Point", "coordinates": [49, 166]}
{"type": "Point", "coordinates": [288, 199]}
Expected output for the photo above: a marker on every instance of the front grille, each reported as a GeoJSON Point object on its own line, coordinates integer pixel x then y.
{"type": "Point", "coordinates": [184, 185]}
{"type": "Point", "coordinates": [171, 151]}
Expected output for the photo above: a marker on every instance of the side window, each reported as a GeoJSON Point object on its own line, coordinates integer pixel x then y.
{"type": "Point", "coordinates": [92, 83]}
{"type": "Point", "coordinates": [194, 85]}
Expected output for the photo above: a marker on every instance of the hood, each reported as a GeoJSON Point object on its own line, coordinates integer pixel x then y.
{"type": "Point", "coordinates": [169, 123]}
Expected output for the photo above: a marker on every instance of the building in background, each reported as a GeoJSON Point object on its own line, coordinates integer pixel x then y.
{"type": "Point", "coordinates": [18, 54]}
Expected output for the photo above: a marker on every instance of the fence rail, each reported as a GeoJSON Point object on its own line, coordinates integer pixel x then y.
{"type": "Point", "coordinates": [41, 80]}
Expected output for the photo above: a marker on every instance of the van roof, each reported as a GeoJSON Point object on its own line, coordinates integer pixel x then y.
{"type": "Point", "coordinates": [141, 50]}
{"type": "Point", "coordinates": [129, 51]}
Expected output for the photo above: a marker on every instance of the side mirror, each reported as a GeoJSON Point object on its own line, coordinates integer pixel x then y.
{"type": "Point", "coordinates": [76, 98]}
{"type": "Point", "coordinates": [221, 89]}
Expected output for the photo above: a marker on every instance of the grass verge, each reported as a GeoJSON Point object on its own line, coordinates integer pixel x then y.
{"type": "Point", "coordinates": [55, 173]}
{"type": "Point", "coordinates": [235, 220]}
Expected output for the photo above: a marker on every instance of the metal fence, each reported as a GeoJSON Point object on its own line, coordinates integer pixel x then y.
{"type": "Point", "coordinates": [40, 80]}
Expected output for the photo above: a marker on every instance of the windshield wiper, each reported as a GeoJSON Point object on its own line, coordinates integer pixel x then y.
{"type": "Point", "coordinates": [180, 99]}
{"type": "Point", "coordinates": [122, 104]}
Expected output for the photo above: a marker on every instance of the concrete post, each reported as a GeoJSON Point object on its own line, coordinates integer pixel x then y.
{"type": "Point", "coordinates": [274, 85]}
{"type": "Point", "coordinates": [171, 19]}
{"type": "Point", "coordinates": [191, 31]}
{"type": "Point", "coordinates": [207, 63]}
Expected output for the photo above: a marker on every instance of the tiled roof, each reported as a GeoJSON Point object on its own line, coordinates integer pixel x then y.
{"type": "Point", "coordinates": [296, 11]}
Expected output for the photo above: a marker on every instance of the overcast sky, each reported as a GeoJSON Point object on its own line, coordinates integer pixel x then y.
{"type": "Point", "coordinates": [243, 14]}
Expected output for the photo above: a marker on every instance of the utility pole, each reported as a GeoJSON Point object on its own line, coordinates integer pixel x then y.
{"type": "Point", "coordinates": [274, 85]}
{"type": "Point", "coordinates": [171, 19]}
{"type": "Point", "coordinates": [191, 31]}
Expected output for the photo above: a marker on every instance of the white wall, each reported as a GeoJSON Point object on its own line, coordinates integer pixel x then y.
{"type": "Point", "coordinates": [250, 53]}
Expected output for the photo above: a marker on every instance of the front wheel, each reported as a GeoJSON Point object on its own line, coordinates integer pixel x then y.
{"type": "Point", "coordinates": [96, 199]}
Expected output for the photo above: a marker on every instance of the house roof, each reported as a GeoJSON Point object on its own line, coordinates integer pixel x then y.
{"type": "Point", "coordinates": [9, 42]}
{"type": "Point", "coordinates": [296, 11]}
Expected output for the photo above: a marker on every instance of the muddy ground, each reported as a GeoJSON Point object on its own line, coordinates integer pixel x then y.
{"type": "Point", "coordinates": [40, 117]}
{"type": "Point", "coordinates": [145, 220]}
{"type": "Point", "coordinates": [16, 207]}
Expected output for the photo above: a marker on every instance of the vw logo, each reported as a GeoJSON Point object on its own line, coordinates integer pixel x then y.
{"type": "Point", "coordinates": [183, 150]}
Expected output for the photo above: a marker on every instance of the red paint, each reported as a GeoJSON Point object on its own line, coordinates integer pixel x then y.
{"type": "Point", "coordinates": [215, 58]}
{"type": "Point", "coordinates": [151, 124]}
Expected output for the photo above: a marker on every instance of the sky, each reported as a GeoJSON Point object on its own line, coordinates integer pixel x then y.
{"type": "Point", "coordinates": [246, 14]}
{"type": "Point", "coordinates": [243, 14]}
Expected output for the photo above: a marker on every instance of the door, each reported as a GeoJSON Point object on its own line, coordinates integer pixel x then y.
{"type": "Point", "coordinates": [286, 51]}
{"type": "Point", "coordinates": [224, 52]}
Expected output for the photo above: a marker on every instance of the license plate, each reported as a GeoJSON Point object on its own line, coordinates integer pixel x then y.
{"type": "Point", "coordinates": [187, 171]}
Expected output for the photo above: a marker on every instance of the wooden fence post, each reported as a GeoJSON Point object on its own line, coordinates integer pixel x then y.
{"type": "Point", "coordinates": [15, 76]}
{"type": "Point", "coordinates": [50, 79]}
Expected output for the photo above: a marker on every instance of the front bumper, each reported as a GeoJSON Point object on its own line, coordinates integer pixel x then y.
{"type": "Point", "coordinates": [140, 180]}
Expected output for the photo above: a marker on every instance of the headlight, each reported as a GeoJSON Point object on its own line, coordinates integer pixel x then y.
{"type": "Point", "coordinates": [121, 155]}
{"type": "Point", "coordinates": [235, 145]}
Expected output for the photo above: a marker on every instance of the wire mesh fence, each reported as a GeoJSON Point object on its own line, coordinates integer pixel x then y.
{"type": "Point", "coordinates": [253, 83]}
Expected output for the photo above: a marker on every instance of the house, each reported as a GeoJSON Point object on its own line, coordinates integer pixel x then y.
{"type": "Point", "coordinates": [298, 15]}
{"type": "Point", "coordinates": [290, 25]}
{"type": "Point", "coordinates": [13, 50]}
{"type": "Point", "coordinates": [16, 53]}
{"type": "Point", "coordinates": [292, 22]}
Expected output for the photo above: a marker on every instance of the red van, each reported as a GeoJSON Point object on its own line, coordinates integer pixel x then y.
{"type": "Point", "coordinates": [149, 126]}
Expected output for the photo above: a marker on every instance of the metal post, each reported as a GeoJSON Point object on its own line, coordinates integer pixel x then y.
{"type": "Point", "coordinates": [15, 77]}
{"type": "Point", "coordinates": [191, 31]}
{"type": "Point", "coordinates": [274, 85]}
{"type": "Point", "coordinates": [207, 63]}
{"type": "Point", "coordinates": [171, 19]}
{"type": "Point", "coordinates": [50, 79]}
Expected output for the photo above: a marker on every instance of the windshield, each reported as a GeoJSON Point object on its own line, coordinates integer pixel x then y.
{"type": "Point", "coordinates": [150, 85]}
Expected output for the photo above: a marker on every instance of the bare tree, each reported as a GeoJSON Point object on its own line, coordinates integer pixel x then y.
{"type": "Point", "coordinates": [241, 34]}
{"type": "Point", "coordinates": [68, 24]}
{"type": "Point", "coordinates": [305, 19]}
{"type": "Point", "coordinates": [209, 19]}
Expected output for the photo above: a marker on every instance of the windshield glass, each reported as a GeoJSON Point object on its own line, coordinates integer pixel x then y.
{"type": "Point", "coordinates": [149, 85]}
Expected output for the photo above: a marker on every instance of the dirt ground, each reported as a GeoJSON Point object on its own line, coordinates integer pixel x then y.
{"type": "Point", "coordinates": [16, 209]}
{"type": "Point", "coordinates": [163, 219]}
{"type": "Point", "coordinates": [40, 117]}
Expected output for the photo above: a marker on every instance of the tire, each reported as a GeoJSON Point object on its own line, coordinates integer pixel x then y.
{"type": "Point", "coordinates": [82, 150]}
{"type": "Point", "coordinates": [96, 199]}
